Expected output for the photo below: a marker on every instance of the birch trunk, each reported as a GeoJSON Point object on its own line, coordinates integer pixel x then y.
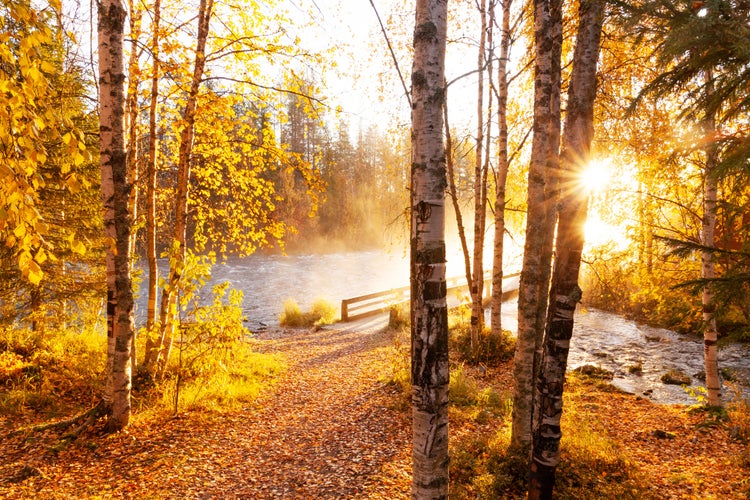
{"type": "Point", "coordinates": [565, 292]}
{"type": "Point", "coordinates": [136, 15]}
{"type": "Point", "coordinates": [153, 266]}
{"type": "Point", "coordinates": [429, 314]}
{"type": "Point", "coordinates": [169, 293]}
{"type": "Point", "coordinates": [453, 192]}
{"type": "Point", "coordinates": [534, 280]}
{"type": "Point", "coordinates": [477, 281]}
{"type": "Point", "coordinates": [710, 334]}
{"type": "Point", "coordinates": [117, 223]}
{"type": "Point", "coordinates": [496, 324]}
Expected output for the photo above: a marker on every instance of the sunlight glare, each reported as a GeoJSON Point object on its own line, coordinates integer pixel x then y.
{"type": "Point", "coordinates": [599, 233]}
{"type": "Point", "coordinates": [597, 175]}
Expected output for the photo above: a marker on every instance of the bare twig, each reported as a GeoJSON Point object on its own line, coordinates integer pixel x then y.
{"type": "Point", "coordinates": [393, 54]}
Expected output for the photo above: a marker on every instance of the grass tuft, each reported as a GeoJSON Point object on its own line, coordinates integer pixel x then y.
{"type": "Point", "coordinates": [321, 313]}
{"type": "Point", "coordinates": [492, 349]}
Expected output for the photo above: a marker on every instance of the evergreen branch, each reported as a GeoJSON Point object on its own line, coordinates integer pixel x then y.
{"type": "Point", "coordinates": [682, 248]}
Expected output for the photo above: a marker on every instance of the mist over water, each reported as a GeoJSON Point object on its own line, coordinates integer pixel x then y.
{"type": "Point", "coordinates": [268, 280]}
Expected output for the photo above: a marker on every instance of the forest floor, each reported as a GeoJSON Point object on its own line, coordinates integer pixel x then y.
{"type": "Point", "coordinates": [333, 427]}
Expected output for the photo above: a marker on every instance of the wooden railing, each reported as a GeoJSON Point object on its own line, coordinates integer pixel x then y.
{"type": "Point", "coordinates": [380, 302]}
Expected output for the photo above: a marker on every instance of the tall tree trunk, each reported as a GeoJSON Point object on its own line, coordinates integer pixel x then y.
{"type": "Point", "coordinates": [496, 324]}
{"type": "Point", "coordinates": [153, 265]}
{"type": "Point", "coordinates": [136, 13]}
{"type": "Point", "coordinates": [534, 281]}
{"type": "Point", "coordinates": [480, 206]}
{"type": "Point", "coordinates": [453, 192]}
{"type": "Point", "coordinates": [117, 223]}
{"type": "Point", "coordinates": [429, 313]}
{"type": "Point", "coordinates": [169, 293]}
{"type": "Point", "coordinates": [710, 335]}
{"type": "Point", "coordinates": [565, 292]}
{"type": "Point", "coordinates": [551, 190]}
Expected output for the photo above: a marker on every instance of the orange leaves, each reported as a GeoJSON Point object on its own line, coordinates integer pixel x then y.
{"type": "Point", "coordinates": [326, 431]}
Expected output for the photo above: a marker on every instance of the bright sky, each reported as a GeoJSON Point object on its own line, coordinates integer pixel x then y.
{"type": "Point", "coordinates": [352, 28]}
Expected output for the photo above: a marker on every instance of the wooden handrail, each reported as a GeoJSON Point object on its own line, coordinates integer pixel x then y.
{"type": "Point", "coordinates": [369, 305]}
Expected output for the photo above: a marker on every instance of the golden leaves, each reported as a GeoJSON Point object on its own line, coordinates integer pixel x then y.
{"type": "Point", "coordinates": [31, 120]}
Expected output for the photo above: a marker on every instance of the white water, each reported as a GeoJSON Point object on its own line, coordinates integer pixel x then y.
{"type": "Point", "coordinates": [599, 338]}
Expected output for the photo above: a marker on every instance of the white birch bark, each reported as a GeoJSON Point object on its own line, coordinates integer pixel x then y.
{"type": "Point", "coordinates": [708, 270]}
{"type": "Point", "coordinates": [117, 223]}
{"type": "Point", "coordinates": [136, 15]}
{"type": "Point", "coordinates": [477, 281]}
{"type": "Point", "coordinates": [151, 348]}
{"type": "Point", "coordinates": [429, 317]}
{"type": "Point", "coordinates": [183, 185]}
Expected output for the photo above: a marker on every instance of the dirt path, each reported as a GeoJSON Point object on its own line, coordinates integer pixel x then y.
{"type": "Point", "coordinates": [325, 431]}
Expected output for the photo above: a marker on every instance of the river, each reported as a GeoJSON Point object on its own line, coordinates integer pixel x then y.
{"type": "Point", "coordinates": [599, 338]}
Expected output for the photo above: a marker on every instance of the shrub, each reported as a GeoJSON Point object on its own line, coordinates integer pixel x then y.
{"type": "Point", "coordinates": [397, 369]}
{"type": "Point", "coordinates": [738, 411]}
{"type": "Point", "coordinates": [492, 349]}
{"type": "Point", "coordinates": [232, 381]}
{"type": "Point", "coordinates": [215, 366]}
{"type": "Point", "coordinates": [398, 316]}
{"type": "Point", "coordinates": [324, 312]}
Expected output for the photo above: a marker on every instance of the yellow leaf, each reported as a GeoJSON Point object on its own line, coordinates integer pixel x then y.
{"type": "Point", "coordinates": [41, 256]}
{"type": "Point", "coordinates": [77, 247]}
{"type": "Point", "coordinates": [34, 273]}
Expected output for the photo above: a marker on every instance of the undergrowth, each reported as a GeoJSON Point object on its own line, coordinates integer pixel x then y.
{"type": "Point", "coordinates": [46, 375]}
{"type": "Point", "coordinates": [484, 466]}
{"type": "Point", "coordinates": [491, 349]}
{"type": "Point", "coordinates": [51, 372]}
{"type": "Point", "coordinates": [482, 463]}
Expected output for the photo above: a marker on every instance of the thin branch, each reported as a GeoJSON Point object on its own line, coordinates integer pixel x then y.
{"type": "Point", "coordinates": [393, 54]}
{"type": "Point", "coordinates": [266, 87]}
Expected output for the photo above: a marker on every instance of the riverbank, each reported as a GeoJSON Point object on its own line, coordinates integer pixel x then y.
{"type": "Point", "coordinates": [336, 425]}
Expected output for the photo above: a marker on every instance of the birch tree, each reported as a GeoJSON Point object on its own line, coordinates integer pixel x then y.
{"type": "Point", "coordinates": [565, 292]}
{"type": "Point", "coordinates": [534, 281]}
{"type": "Point", "coordinates": [703, 48]}
{"type": "Point", "coordinates": [708, 267]}
{"type": "Point", "coordinates": [178, 247]}
{"type": "Point", "coordinates": [152, 348]}
{"type": "Point", "coordinates": [502, 169]}
{"type": "Point", "coordinates": [480, 189]}
{"type": "Point", "coordinates": [429, 315]}
{"type": "Point", "coordinates": [117, 221]}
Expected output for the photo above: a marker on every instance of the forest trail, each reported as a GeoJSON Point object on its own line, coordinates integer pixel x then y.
{"type": "Point", "coordinates": [327, 429]}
